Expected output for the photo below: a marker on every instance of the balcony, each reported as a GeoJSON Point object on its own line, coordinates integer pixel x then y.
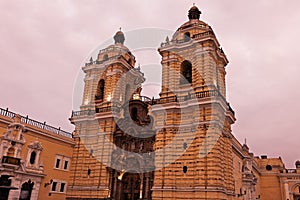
{"type": "Point", "coordinates": [11, 160]}
{"type": "Point", "coordinates": [194, 37]}
{"type": "Point", "coordinates": [116, 106]}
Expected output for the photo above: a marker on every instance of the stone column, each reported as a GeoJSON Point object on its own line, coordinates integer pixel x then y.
{"type": "Point", "coordinates": [119, 190]}
{"type": "Point", "coordinates": [37, 159]}
{"type": "Point", "coordinates": [141, 186]}
{"type": "Point", "coordinates": [286, 188]}
{"type": "Point", "coordinates": [115, 186]}
{"type": "Point", "coordinates": [14, 194]}
{"type": "Point", "coordinates": [35, 192]}
{"type": "Point", "coordinates": [147, 186]}
{"type": "Point", "coordinates": [16, 182]}
{"type": "Point", "coordinates": [110, 183]}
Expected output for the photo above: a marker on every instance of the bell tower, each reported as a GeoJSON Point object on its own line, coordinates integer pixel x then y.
{"type": "Point", "coordinates": [110, 81]}
{"type": "Point", "coordinates": [103, 74]}
{"type": "Point", "coordinates": [193, 58]}
{"type": "Point", "coordinates": [193, 144]}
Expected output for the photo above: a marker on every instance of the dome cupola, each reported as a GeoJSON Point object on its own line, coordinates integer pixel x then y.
{"type": "Point", "coordinates": [119, 37]}
{"type": "Point", "coordinates": [194, 13]}
{"type": "Point", "coordinates": [297, 164]}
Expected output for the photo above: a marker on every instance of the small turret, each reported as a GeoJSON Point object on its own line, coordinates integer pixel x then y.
{"type": "Point", "coordinates": [119, 37]}
{"type": "Point", "coordinates": [297, 164]}
{"type": "Point", "coordinates": [194, 13]}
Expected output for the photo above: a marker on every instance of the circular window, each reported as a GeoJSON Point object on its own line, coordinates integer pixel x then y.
{"type": "Point", "coordinates": [269, 167]}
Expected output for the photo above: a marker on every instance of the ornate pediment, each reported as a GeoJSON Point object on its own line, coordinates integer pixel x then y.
{"type": "Point", "coordinates": [12, 142]}
{"type": "Point", "coordinates": [14, 133]}
{"type": "Point", "coordinates": [36, 145]}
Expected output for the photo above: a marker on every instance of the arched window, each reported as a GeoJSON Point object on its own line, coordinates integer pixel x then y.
{"type": "Point", "coordinates": [186, 72]}
{"type": "Point", "coordinates": [26, 190]}
{"type": "Point", "coordinates": [100, 92]}
{"type": "Point", "coordinates": [105, 57]}
{"type": "Point", "coordinates": [187, 36]}
{"type": "Point", "coordinates": [32, 157]}
{"type": "Point", "coordinates": [129, 61]}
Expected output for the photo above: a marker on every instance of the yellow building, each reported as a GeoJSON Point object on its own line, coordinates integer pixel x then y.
{"type": "Point", "coordinates": [35, 159]}
{"type": "Point", "coordinates": [125, 146]}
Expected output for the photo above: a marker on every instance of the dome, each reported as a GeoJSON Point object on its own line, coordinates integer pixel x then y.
{"type": "Point", "coordinates": [194, 23]}
{"type": "Point", "coordinates": [119, 37]}
{"type": "Point", "coordinates": [193, 27]}
{"type": "Point", "coordinates": [194, 13]}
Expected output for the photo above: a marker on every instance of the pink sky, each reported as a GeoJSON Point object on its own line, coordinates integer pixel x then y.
{"type": "Point", "coordinates": [44, 43]}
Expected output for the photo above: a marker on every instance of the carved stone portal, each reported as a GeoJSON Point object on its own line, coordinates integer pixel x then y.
{"type": "Point", "coordinates": [132, 172]}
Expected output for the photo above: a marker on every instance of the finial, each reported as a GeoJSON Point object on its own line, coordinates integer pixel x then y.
{"type": "Point", "coordinates": [167, 40]}
{"type": "Point", "coordinates": [139, 67]}
{"type": "Point", "coordinates": [91, 59]}
{"type": "Point", "coordinates": [245, 141]}
{"type": "Point", "coordinates": [193, 4]}
{"type": "Point", "coordinates": [120, 28]}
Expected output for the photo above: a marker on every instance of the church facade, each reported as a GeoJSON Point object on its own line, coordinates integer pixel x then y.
{"type": "Point", "coordinates": [179, 146]}
{"type": "Point", "coordinates": [126, 146]}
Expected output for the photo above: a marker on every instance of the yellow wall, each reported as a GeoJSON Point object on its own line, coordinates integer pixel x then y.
{"type": "Point", "coordinates": [52, 145]}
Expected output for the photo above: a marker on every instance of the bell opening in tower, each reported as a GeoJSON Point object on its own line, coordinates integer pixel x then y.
{"type": "Point", "coordinates": [186, 72]}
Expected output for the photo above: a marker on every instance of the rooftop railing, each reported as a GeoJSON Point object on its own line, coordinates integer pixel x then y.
{"type": "Point", "coordinates": [195, 37]}
{"type": "Point", "coordinates": [32, 122]}
{"type": "Point", "coordinates": [102, 61]}
{"type": "Point", "coordinates": [92, 62]}
{"type": "Point", "coordinates": [109, 106]}
{"type": "Point", "coordinates": [197, 95]}
{"type": "Point", "coordinates": [290, 171]}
